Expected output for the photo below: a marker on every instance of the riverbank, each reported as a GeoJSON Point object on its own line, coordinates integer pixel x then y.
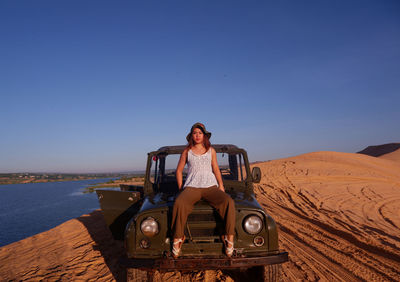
{"type": "Point", "coordinates": [24, 178]}
{"type": "Point", "coordinates": [136, 180]}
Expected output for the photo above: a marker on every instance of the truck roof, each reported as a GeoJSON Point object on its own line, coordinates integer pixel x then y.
{"type": "Point", "coordinates": [177, 149]}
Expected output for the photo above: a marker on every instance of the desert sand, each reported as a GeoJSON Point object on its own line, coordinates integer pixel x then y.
{"type": "Point", "coordinates": [393, 156]}
{"type": "Point", "coordinates": [338, 217]}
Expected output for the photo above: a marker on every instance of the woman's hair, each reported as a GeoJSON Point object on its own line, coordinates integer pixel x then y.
{"type": "Point", "coordinates": [206, 141]}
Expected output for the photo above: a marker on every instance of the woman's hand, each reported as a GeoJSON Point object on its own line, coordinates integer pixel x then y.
{"type": "Point", "coordinates": [222, 188]}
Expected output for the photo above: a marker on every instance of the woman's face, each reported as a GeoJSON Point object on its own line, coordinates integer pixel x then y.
{"type": "Point", "coordinates": [197, 136]}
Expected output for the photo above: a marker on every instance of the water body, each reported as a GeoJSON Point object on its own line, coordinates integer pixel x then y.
{"type": "Point", "coordinates": [28, 209]}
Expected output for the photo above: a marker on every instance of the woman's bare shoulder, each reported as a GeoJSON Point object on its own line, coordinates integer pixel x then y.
{"type": "Point", "coordinates": [184, 156]}
{"type": "Point", "coordinates": [185, 151]}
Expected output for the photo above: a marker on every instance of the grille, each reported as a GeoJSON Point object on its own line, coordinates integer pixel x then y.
{"type": "Point", "coordinates": [196, 233]}
{"type": "Point", "coordinates": [195, 217]}
{"type": "Point", "coordinates": [204, 226]}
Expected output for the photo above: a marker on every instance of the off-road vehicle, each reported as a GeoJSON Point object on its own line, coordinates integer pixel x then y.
{"type": "Point", "coordinates": [141, 216]}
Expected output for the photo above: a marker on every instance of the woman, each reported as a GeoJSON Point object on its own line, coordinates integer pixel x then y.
{"type": "Point", "coordinates": [203, 181]}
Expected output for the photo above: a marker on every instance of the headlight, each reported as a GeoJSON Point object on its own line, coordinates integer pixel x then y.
{"type": "Point", "coordinates": [252, 224]}
{"type": "Point", "coordinates": [149, 227]}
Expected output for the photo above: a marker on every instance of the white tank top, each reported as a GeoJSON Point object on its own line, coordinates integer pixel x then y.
{"type": "Point", "coordinates": [200, 173]}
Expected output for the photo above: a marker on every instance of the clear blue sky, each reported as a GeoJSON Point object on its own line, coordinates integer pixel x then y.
{"type": "Point", "coordinates": [92, 86]}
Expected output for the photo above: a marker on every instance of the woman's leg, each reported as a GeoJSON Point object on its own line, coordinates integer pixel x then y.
{"type": "Point", "coordinates": [224, 205]}
{"type": "Point", "coordinates": [183, 206]}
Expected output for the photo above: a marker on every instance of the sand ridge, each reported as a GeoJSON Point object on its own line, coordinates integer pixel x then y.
{"type": "Point", "coordinates": [337, 214]}
{"type": "Point", "coordinates": [379, 150]}
{"type": "Point", "coordinates": [389, 151]}
{"type": "Point", "coordinates": [393, 156]}
{"type": "Point", "coordinates": [81, 248]}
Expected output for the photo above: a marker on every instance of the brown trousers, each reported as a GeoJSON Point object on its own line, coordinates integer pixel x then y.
{"type": "Point", "coordinates": [218, 199]}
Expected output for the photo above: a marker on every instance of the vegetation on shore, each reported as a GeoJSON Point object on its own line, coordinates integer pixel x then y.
{"type": "Point", "coordinates": [19, 178]}
{"type": "Point", "coordinates": [129, 180]}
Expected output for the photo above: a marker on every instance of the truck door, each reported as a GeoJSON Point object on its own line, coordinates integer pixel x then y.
{"type": "Point", "coordinates": [118, 207]}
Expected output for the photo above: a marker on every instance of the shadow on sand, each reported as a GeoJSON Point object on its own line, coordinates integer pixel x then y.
{"type": "Point", "coordinates": [111, 250]}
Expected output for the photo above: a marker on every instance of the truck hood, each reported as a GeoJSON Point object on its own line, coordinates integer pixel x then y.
{"type": "Point", "coordinates": [164, 202]}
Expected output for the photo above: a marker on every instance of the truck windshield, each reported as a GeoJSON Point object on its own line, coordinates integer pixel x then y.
{"type": "Point", "coordinates": [163, 168]}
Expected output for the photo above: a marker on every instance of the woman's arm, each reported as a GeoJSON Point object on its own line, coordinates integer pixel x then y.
{"type": "Point", "coordinates": [179, 169]}
{"type": "Point", "coordinates": [215, 168]}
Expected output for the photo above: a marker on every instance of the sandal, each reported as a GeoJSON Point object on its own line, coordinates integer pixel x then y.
{"type": "Point", "coordinates": [228, 250]}
{"type": "Point", "coordinates": [176, 248]}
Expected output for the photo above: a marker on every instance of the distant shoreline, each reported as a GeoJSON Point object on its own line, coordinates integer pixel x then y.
{"type": "Point", "coordinates": [25, 178]}
{"type": "Point", "coordinates": [46, 181]}
{"type": "Point", "coordinates": [135, 180]}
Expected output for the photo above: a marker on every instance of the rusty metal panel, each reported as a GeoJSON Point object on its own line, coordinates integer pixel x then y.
{"type": "Point", "coordinates": [204, 262]}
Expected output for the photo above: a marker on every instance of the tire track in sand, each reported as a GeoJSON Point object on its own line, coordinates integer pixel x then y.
{"type": "Point", "coordinates": [319, 248]}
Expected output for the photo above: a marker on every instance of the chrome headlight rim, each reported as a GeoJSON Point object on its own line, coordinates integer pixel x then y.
{"type": "Point", "coordinates": [253, 224]}
{"type": "Point", "coordinates": [149, 226]}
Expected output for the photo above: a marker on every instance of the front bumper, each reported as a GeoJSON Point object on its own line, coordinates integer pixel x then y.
{"type": "Point", "coordinates": [190, 263]}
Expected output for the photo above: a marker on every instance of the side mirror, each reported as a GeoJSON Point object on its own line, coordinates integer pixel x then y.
{"type": "Point", "coordinates": [256, 174]}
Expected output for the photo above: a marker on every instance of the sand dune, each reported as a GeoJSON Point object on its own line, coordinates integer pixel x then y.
{"type": "Point", "coordinates": [338, 216]}
{"type": "Point", "coordinates": [379, 150]}
{"type": "Point", "coordinates": [389, 151]}
{"type": "Point", "coordinates": [79, 249]}
{"type": "Point", "coordinates": [393, 156]}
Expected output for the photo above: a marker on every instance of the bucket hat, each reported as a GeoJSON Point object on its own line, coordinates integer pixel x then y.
{"type": "Point", "coordinates": [201, 127]}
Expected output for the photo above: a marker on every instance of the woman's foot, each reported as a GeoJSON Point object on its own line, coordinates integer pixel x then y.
{"type": "Point", "coordinates": [228, 243]}
{"type": "Point", "coordinates": [176, 246]}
